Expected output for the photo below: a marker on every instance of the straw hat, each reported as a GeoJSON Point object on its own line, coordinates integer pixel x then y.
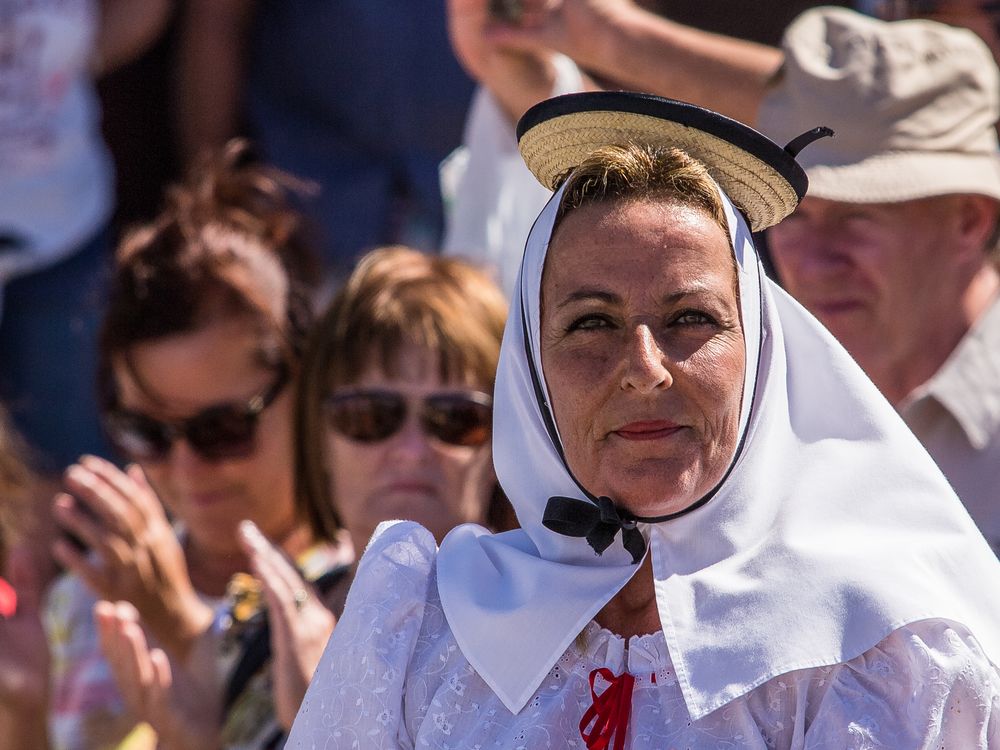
{"type": "Point", "coordinates": [759, 176]}
{"type": "Point", "coordinates": [914, 105]}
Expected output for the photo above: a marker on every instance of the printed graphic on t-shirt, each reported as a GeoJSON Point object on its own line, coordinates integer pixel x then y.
{"type": "Point", "coordinates": [44, 52]}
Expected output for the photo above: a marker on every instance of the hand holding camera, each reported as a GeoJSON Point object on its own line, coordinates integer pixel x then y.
{"type": "Point", "coordinates": [130, 552]}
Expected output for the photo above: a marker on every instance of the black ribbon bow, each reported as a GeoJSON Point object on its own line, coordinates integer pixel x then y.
{"type": "Point", "coordinates": [598, 522]}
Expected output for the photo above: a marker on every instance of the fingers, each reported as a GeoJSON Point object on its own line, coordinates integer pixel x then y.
{"type": "Point", "coordinates": [116, 516]}
{"type": "Point", "coordinates": [142, 673]}
{"type": "Point", "coordinates": [97, 500]}
{"type": "Point", "coordinates": [120, 503]}
{"type": "Point", "coordinates": [131, 485]}
{"type": "Point", "coordinates": [284, 588]}
{"type": "Point", "coordinates": [88, 568]}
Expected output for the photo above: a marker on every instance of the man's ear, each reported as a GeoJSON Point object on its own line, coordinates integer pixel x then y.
{"type": "Point", "coordinates": [979, 223]}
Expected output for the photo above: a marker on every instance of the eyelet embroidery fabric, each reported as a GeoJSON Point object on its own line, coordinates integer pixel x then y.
{"type": "Point", "coordinates": [393, 676]}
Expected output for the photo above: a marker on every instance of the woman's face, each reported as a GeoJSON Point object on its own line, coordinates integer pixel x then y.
{"type": "Point", "coordinates": [181, 376]}
{"type": "Point", "coordinates": [410, 474]}
{"type": "Point", "coordinates": [642, 350]}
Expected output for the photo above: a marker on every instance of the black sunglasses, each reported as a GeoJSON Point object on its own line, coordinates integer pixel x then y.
{"type": "Point", "coordinates": [217, 433]}
{"type": "Point", "coordinates": [368, 416]}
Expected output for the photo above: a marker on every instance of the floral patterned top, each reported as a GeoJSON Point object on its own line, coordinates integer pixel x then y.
{"type": "Point", "coordinates": [86, 710]}
{"type": "Point", "coordinates": [393, 676]}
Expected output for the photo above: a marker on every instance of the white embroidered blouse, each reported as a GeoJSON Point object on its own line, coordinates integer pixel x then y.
{"type": "Point", "coordinates": [393, 676]}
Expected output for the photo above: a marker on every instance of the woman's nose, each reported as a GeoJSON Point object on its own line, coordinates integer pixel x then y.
{"type": "Point", "coordinates": [183, 458]}
{"type": "Point", "coordinates": [645, 367]}
{"type": "Point", "coordinates": [411, 442]}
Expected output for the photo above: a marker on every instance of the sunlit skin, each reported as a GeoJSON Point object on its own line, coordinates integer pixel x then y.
{"type": "Point", "coordinates": [642, 349]}
{"type": "Point", "coordinates": [409, 475]}
{"type": "Point", "coordinates": [182, 375]}
{"type": "Point", "coordinates": [899, 284]}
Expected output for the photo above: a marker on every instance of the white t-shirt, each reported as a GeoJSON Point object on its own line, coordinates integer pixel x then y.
{"type": "Point", "coordinates": [56, 176]}
{"type": "Point", "coordinates": [393, 676]}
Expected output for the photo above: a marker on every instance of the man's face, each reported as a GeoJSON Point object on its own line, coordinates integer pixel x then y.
{"type": "Point", "coordinates": [879, 276]}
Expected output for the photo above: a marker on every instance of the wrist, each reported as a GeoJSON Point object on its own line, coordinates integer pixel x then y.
{"type": "Point", "coordinates": [194, 619]}
{"type": "Point", "coordinates": [524, 80]}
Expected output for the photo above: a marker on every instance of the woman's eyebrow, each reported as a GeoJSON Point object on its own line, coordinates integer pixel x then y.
{"type": "Point", "coordinates": [693, 289]}
{"type": "Point", "coordinates": [590, 294]}
{"type": "Point", "coordinates": [596, 294]}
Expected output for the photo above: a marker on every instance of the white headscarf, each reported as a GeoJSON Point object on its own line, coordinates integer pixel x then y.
{"type": "Point", "coordinates": [832, 529]}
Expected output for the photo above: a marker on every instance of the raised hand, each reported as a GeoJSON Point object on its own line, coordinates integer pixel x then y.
{"type": "Point", "coordinates": [517, 71]}
{"type": "Point", "coordinates": [133, 554]}
{"type": "Point", "coordinates": [181, 703]}
{"type": "Point", "coordinates": [300, 623]}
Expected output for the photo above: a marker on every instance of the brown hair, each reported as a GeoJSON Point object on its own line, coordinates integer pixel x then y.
{"type": "Point", "coordinates": [227, 243]}
{"type": "Point", "coordinates": [641, 172]}
{"type": "Point", "coordinates": [16, 482]}
{"type": "Point", "coordinates": [395, 296]}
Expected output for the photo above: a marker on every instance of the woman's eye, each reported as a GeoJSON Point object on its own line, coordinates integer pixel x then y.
{"type": "Point", "coordinates": [694, 317]}
{"type": "Point", "coordinates": [589, 323]}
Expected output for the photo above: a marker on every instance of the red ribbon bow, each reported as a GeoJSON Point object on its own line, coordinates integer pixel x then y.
{"type": "Point", "coordinates": [611, 710]}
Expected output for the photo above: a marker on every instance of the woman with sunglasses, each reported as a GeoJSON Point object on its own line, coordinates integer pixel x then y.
{"type": "Point", "coordinates": [394, 417]}
{"type": "Point", "coordinates": [200, 358]}
{"type": "Point", "coordinates": [399, 377]}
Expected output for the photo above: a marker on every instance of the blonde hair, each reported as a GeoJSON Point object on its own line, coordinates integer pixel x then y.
{"type": "Point", "coordinates": [641, 172]}
{"type": "Point", "coordinates": [395, 296]}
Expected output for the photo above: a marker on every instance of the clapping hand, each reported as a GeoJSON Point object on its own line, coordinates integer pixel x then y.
{"type": "Point", "coordinates": [300, 623]}
{"type": "Point", "coordinates": [181, 703]}
{"type": "Point", "coordinates": [133, 555]}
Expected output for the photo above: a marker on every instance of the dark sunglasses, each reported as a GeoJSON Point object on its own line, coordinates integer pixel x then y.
{"type": "Point", "coordinates": [217, 433]}
{"type": "Point", "coordinates": [369, 416]}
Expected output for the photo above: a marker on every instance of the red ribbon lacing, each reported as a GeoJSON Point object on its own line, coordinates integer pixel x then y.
{"type": "Point", "coordinates": [610, 711]}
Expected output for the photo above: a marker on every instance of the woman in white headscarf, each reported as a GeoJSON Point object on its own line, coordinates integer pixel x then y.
{"type": "Point", "coordinates": [729, 539]}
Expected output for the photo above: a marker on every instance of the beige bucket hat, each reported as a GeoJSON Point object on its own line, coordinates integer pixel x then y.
{"type": "Point", "coordinates": [913, 105]}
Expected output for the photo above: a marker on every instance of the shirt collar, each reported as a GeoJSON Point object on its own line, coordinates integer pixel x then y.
{"type": "Point", "coordinates": [968, 383]}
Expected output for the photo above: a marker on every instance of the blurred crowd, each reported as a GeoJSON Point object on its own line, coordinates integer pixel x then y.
{"type": "Point", "coordinates": [254, 263]}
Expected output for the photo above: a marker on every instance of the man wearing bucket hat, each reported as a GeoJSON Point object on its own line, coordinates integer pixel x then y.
{"type": "Point", "coordinates": [893, 249]}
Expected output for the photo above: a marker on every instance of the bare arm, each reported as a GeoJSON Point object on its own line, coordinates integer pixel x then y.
{"type": "Point", "coordinates": [211, 72]}
{"type": "Point", "coordinates": [127, 28]}
{"type": "Point", "coordinates": [622, 42]}
{"type": "Point", "coordinates": [649, 53]}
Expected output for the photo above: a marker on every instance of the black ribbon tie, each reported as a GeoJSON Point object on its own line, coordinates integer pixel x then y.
{"type": "Point", "coordinates": [598, 522]}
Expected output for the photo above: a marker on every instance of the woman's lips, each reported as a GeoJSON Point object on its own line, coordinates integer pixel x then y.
{"type": "Point", "coordinates": [205, 499]}
{"type": "Point", "coordinates": [410, 487]}
{"type": "Point", "coordinates": [649, 430]}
